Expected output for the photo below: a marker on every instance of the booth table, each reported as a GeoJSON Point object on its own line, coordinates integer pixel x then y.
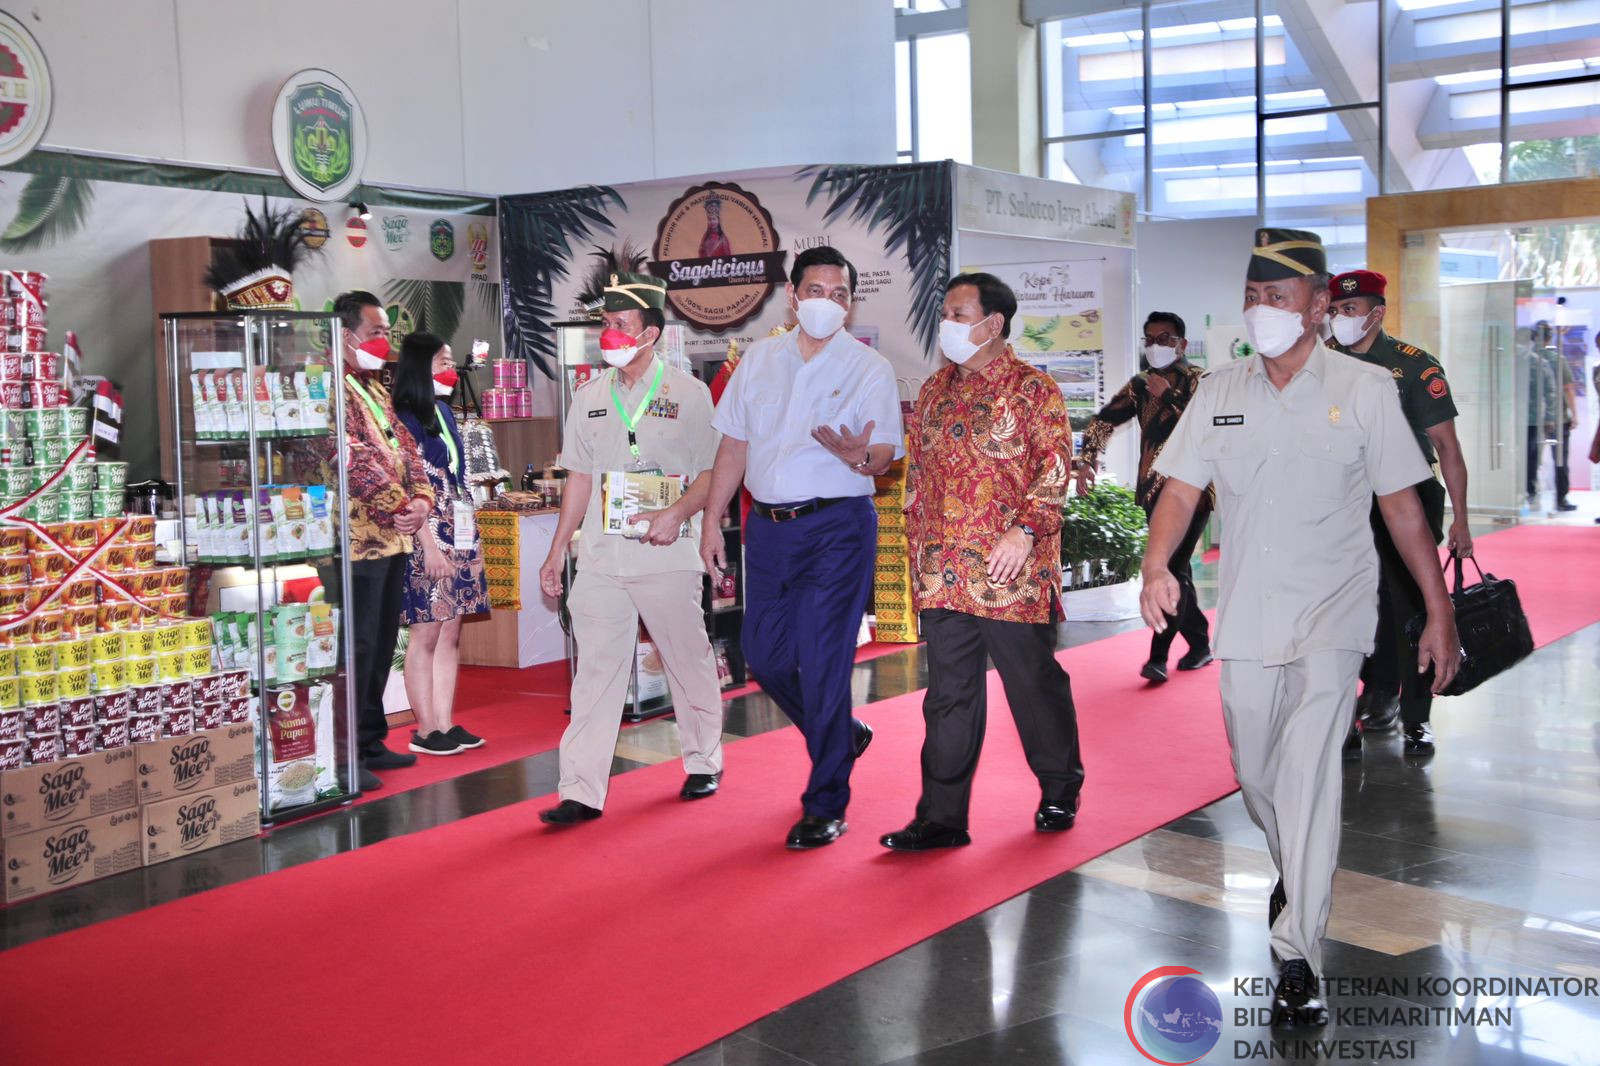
{"type": "Point", "coordinates": [531, 635]}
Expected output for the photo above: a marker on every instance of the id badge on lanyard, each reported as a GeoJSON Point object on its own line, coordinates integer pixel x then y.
{"type": "Point", "coordinates": [464, 520]}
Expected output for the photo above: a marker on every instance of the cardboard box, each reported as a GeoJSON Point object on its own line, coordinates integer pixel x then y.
{"type": "Point", "coordinates": [199, 762]}
{"type": "Point", "coordinates": [190, 824]}
{"type": "Point", "coordinates": [71, 854]}
{"type": "Point", "coordinates": [70, 790]}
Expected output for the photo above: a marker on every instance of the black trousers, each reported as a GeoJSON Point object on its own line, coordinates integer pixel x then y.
{"type": "Point", "coordinates": [372, 611]}
{"type": "Point", "coordinates": [1536, 439]}
{"type": "Point", "coordinates": [1392, 666]}
{"type": "Point", "coordinates": [955, 709]}
{"type": "Point", "coordinates": [1190, 619]}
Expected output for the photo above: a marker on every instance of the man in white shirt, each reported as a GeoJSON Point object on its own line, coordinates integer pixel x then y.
{"type": "Point", "coordinates": [808, 418]}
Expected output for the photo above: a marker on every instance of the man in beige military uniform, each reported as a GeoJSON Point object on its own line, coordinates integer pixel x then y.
{"type": "Point", "coordinates": [1297, 440]}
{"type": "Point", "coordinates": [639, 415]}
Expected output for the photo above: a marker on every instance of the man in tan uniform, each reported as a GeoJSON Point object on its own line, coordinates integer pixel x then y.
{"type": "Point", "coordinates": [1297, 440]}
{"type": "Point", "coordinates": [641, 415]}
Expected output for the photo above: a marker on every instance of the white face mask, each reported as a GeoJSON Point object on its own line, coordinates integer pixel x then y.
{"type": "Point", "coordinates": [1273, 330]}
{"type": "Point", "coordinates": [1348, 331]}
{"type": "Point", "coordinates": [955, 341]}
{"type": "Point", "coordinates": [1159, 355]}
{"type": "Point", "coordinates": [820, 318]}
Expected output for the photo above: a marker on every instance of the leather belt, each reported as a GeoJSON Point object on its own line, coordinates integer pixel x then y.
{"type": "Point", "coordinates": [790, 511]}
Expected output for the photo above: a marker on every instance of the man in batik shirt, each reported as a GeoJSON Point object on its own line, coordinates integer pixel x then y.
{"type": "Point", "coordinates": [1157, 397]}
{"type": "Point", "coordinates": [988, 458]}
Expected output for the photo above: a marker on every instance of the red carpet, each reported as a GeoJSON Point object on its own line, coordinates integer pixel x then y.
{"type": "Point", "coordinates": [1553, 567]}
{"type": "Point", "coordinates": [569, 947]}
{"type": "Point", "coordinates": [519, 713]}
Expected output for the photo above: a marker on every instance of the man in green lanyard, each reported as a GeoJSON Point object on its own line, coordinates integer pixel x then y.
{"type": "Point", "coordinates": [640, 416]}
{"type": "Point", "coordinates": [389, 499]}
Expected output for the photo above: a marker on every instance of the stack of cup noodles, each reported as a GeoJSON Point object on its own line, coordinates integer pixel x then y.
{"type": "Point", "coordinates": [92, 671]}
{"type": "Point", "coordinates": [510, 397]}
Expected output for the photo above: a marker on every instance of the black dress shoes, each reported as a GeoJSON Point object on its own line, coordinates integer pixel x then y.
{"type": "Point", "coordinates": [863, 736]}
{"type": "Point", "coordinates": [1379, 712]}
{"type": "Point", "coordinates": [815, 831]}
{"type": "Point", "coordinates": [1351, 752]}
{"type": "Point", "coordinates": [1054, 818]}
{"type": "Point", "coordinates": [1195, 659]}
{"type": "Point", "coordinates": [699, 786]}
{"type": "Point", "coordinates": [369, 780]}
{"type": "Point", "coordinates": [568, 812]}
{"type": "Point", "coordinates": [384, 759]}
{"type": "Point", "coordinates": [1419, 740]}
{"type": "Point", "coordinates": [1275, 903]}
{"type": "Point", "coordinates": [1297, 1002]}
{"type": "Point", "coordinates": [923, 835]}
{"type": "Point", "coordinates": [1153, 672]}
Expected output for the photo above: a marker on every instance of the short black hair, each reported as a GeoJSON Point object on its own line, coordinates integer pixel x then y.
{"type": "Point", "coordinates": [1170, 318]}
{"type": "Point", "coordinates": [820, 256]}
{"type": "Point", "coordinates": [348, 305]}
{"type": "Point", "coordinates": [994, 296]}
{"type": "Point", "coordinates": [412, 388]}
{"type": "Point", "coordinates": [654, 316]}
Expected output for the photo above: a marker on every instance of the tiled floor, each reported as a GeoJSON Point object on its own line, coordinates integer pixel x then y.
{"type": "Point", "coordinates": [1482, 862]}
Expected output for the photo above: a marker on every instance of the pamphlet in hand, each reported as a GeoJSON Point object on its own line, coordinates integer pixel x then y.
{"type": "Point", "coordinates": [627, 493]}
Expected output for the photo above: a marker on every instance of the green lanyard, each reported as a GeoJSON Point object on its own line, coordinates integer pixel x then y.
{"type": "Point", "coordinates": [377, 411]}
{"type": "Point", "coordinates": [450, 446]}
{"type": "Point", "coordinates": [631, 421]}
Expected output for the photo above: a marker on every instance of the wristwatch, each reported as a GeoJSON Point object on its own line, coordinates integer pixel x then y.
{"type": "Point", "coordinates": [861, 467]}
{"type": "Point", "coordinates": [1028, 530]}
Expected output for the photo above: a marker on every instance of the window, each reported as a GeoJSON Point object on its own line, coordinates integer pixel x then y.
{"type": "Point", "coordinates": [933, 81]}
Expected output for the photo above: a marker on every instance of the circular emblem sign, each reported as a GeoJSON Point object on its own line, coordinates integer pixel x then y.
{"type": "Point", "coordinates": [314, 224]}
{"type": "Point", "coordinates": [24, 91]}
{"type": "Point", "coordinates": [319, 134]}
{"type": "Point", "coordinates": [717, 250]}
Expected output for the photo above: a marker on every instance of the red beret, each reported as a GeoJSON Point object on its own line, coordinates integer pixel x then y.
{"type": "Point", "coordinates": [1358, 283]}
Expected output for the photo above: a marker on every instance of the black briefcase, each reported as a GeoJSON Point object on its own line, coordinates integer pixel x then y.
{"type": "Point", "coordinates": [1489, 620]}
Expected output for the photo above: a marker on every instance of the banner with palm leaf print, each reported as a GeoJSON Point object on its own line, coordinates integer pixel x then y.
{"type": "Point", "coordinates": [724, 245]}
{"type": "Point", "coordinates": [88, 223]}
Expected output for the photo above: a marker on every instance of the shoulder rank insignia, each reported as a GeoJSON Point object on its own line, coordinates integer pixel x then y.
{"type": "Point", "coordinates": [1407, 349]}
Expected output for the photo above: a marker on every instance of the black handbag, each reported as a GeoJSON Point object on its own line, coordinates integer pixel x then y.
{"type": "Point", "coordinates": [1490, 623]}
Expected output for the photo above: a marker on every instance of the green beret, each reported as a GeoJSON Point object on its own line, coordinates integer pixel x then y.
{"type": "Point", "coordinates": [632, 292]}
{"type": "Point", "coordinates": [1286, 253]}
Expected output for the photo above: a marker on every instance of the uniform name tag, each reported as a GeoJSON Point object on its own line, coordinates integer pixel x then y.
{"type": "Point", "coordinates": [1227, 420]}
{"type": "Point", "coordinates": [598, 414]}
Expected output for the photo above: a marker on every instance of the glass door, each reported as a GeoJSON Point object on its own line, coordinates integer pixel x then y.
{"type": "Point", "coordinates": [1477, 326]}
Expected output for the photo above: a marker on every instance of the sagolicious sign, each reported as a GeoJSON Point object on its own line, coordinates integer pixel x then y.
{"type": "Point", "coordinates": [717, 250]}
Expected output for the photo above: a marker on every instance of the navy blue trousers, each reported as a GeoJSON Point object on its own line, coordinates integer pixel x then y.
{"type": "Point", "coordinates": [807, 583]}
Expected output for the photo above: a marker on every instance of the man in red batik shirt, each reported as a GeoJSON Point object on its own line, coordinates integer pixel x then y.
{"type": "Point", "coordinates": [987, 475]}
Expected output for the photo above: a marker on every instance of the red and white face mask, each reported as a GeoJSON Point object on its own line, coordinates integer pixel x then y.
{"type": "Point", "coordinates": [444, 382]}
{"type": "Point", "coordinates": [372, 354]}
{"type": "Point", "coordinates": [617, 348]}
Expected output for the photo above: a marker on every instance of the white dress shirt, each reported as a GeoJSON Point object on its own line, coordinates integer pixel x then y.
{"type": "Point", "coordinates": [775, 399]}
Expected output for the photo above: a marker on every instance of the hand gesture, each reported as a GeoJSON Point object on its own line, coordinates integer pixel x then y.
{"type": "Point", "coordinates": [410, 520]}
{"type": "Point", "coordinates": [713, 553]}
{"type": "Point", "coordinates": [1441, 649]}
{"type": "Point", "coordinates": [851, 448]}
{"type": "Point", "coordinates": [550, 573]}
{"type": "Point", "coordinates": [1009, 554]}
{"type": "Point", "coordinates": [1085, 479]}
{"type": "Point", "coordinates": [1159, 598]}
{"type": "Point", "coordinates": [1157, 385]}
{"type": "Point", "coordinates": [663, 526]}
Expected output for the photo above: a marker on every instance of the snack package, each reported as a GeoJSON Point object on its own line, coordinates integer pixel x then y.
{"type": "Point", "coordinates": [231, 389]}
{"type": "Point", "coordinates": [319, 523]}
{"type": "Point", "coordinates": [261, 399]}
{"type": "Point", "coordinates": [292, 741]}
{"type": "Point", "coordinates": [320, 697]}
{"type": "Point", "coordinates": [322, 645]}
{"type": "Point", "coordinates": [314, 412]}
{"type": "Point", "coordinates": [204, 406]}
{"type": "Point", "coordinates": [203, 532]}
{"type": "Point", "coordinates": [292, 523]}
{"type": "Point", "coordinates": [266, 525]}
{"type": "Point", "coordinates": [286, 404]}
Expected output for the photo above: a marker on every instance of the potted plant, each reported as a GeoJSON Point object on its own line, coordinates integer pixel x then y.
{"type": "Point", "coordinates": [1105, 529]}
